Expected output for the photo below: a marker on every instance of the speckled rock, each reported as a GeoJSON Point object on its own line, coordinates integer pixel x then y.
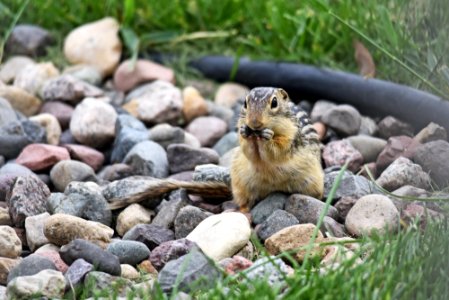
{"type": "Point", "coordinates": [41, 156]}
{"type": "Point", "coordinates": [67, 171]}
{"type": "Point", "coordinates": [344, 119]}
{"type": "Point", "coordinates": [34, 228]}
{"type": "Point", "coordinates": [390, 126]}
{"type": "Point", "coordinates": [131, 216]}
{"type": "Point", "coordinates": [87, 155]}
{"type": "Point", "coordinates": [149, 234]}
{"type": "Point", "coordinates": [165, 135]}
{"type": "Point", "coordinates": [211, 172]}
{"type": "Point", "coordinates": [6, 265]}
{"type": "Point", "coordinates": [278, 220]}
{"type": "Point", "coordinates": [96, 44]}
{"type": "Point", "coordinates": [431, 132]}
{"type": "Point", "coordinates": [21, 100]}
{"type": "Point", "coordinates": [32, 78]}
{"type": "Point", "coordinates": [228, 93]}
{"type": "Point", "coordinates": [188, 219]}
{"type": "Point", "coordinates": [149, 159]}
{"type": "Point", "coordinates": [168, 210]}
{"type": "Point", "coordinates": [396, 146]}
{"type": "Point", "coordinates": [63, 112]}
{"type": "Point", "coordinates": [433, 157]}
{"type": "Point", "coordinates": [263, 209]}
{"type": "Point", "coordinates": [344, 204]}
{"type": "Point", "coordinates": [368, 146]}
{"type": "Point", "coordinates": [76, 272]}
{"type": "Point", "coordinates": [308, 209]}
{"type": "Point", "coordinates": [271, 269]}
{"type": "Point", "coordinates": [170, 250]}
{"type": "Point", "coordinates": [194, 104]}
{"type": "Point", "coordinates": [10, 244]}
{"type": "Point", "coordinates": [16, 135]}
{"type": "Point", "coordinates": [208, 130]}
{"type": "Point", "coordinates": [29, 40]}
{"type": "Point", "coordinates": [182, 157]}
{"type": "Point", "coordinates": [30, 265]}
{"type": "Point", "coordinates": [337, 153]}
{"type": "Point", "coordinates": [54, 256]}
{"type": "Point", "coordinates": [47, 283]}
{"type": "Point", "coordinates": [14, 65]}
{"type": "Point", "coordinates": [235, 264]}
{"type": "Point", "coordinates": [129, 252]}
{"type": "Point", "coordinates": [350, 185]}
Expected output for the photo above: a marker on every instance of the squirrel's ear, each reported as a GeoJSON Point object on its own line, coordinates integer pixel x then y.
{"type": "Point", "coordinates": [284, 94]}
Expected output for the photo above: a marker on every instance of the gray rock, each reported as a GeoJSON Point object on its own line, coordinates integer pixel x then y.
{"type": "Point", "coordinates": [368, 126]}
{"type": "Point", "coordinates": [344, 119]}
{"type": "Point", "coordinates": [368, 146]}
{"type": "Point", "coordinates": [170, 250]}
{"type": "Point", "coordinates": [102, 260]}
{"type": "Point", "coordinates": [187, 219]}
{"type": "Point", "coordinates": [102, 281]}
{"type": "Point", "coordinates": [48, 284]}
{"type": "Point", "coordinates": [330, 227]}
{"type": "Point", "coordinates": [344, 204]}
{"type": "Point", "coordinates": [149, 234]}
{"type": "Point", "coordinates": [77, 271]}
{"type": "Point", "coordinates": [193, 271]}
{"type": "Point", "coordinates": [7, 113]}
{"type": "Point", "coordinates": [27, 197]}
{"type": "Point", "coordinates": [431, 132]}
{"type": "Point", "coordinates": [165, 134]}
{"type": "Point", "coordinates": [267, 206]}
{"type": "Point", "coordinates": [182, 157]}
{"type": "Point", "coordinates": [34, 228]}
{"type": "Point", "coordinates": [85, 73]}
{"type": "Point", "coordinates": [15, 170]}
{"type": "Point", "coordinates": [226, 143]}
{"type": "Point", "coordinates": [62, 111]}
{"type": "Point", "coordinates": [337, 153]}
{"type": "Point", "coordinates": [29, 40]}
{"type": "Point", "coordinates": [129, 252]}
{"type": "Point", "coordinates": [208, 130]}
{"type": "Point", "coordinates": [212, 172]}
{"type": "Point", "coordinates": [320, 108]}
{"type": "Point", "coordinates": [149, 159]}
{"type": "Point", "coordinates": [31, 265]}
{"type": "Point", "coordinates": [67, 171]}
{"type": "Point", "coordinates": [390, 126]}
{"type": "Point", "coordinates": [433, 157]}
{"type": "Point", "coordinates": [168, 212]}
{"type": "Point", "coordinates": [12, 67]}
{"type": "Point", "coordinates": [271, 269]}
{"type": "Point", "coordinates": [15, 135]}
{"type": "Point", "coordinates": [350, 185]}
{"type": "Point", "coordinates": [278, 220]}
{"type": "Point", "coordinates": [227, 158]}
{"type": "Point", "coordinates": [115, 172]}
{"type": "Point", "coordinates": [308, 209]}
{"type": "Point", "coordinates": [221, 112]}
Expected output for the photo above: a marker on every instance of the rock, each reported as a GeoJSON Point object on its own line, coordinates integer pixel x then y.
{"type": "Point", "coordinates": [332, 228]}
{"type": "Point", "coordinates": [31, 265]}
{"type": "Point", "coordinates": [226, 159]}
{"type": "Point", "coordinates": [222, 235]}
{"type": "Point", "coordinates": [128, 132]}
{"type": "Point", "coordinates": [96, 44]}
{"type": "Point", "coordinates": [294, 237]}
{"type": "Point", "coordinates": [47, 248]}
{"type": "Point", "coordinates": [208, 130]}
{"type": "Point", "coordinates": [29, 40]}
{"type": "Point", "coordinates": [34, 228]}
{"type": "Point", "coordinates": [129, 272]}
{"type": "Point", "coordinates": [182, 157]}
{"type": "Point", "coordinates": [403, 172]}
{"type": "Point", "coordinates": [63, 112]}
{"type": "Point", "coordinates": [67, 88]}
{"type": "Point", "coordinates": [212, 172]}
{"type": "Point", "coordinates": [433, 157]}
{"type": "Point", "coordinates": [10, 244]}
{"type": "Point", "coordinates": [6, 265]}
{"type": "Point", "coordinates": [337, 153]}
{"type": "Point", "coordinates": [7, 113]}
{"type": "Point", "coordinates": [350, 185]}
{"type": "Point", "coordinates": [226, 143]}
{"type": "Point", "coordinates": [336, 255]}
{"type": "Point", "coordinates": [15, 170]}
{"type": "Point", "coordinates": [27, 197]}
{"type": "Point", "coordinates": [270, 269]}
{"type": "Point", "coordinates": [368, 126]}
{"type": "Point", "coordinates": [169, 251]}
{"type": "Point", "coordinates": [16, 135]}
{"type": "Point", "coordinates": [319, 109]}
{"type": "Point", "coordinates": [263, 209]}
{"type": "Point", "coordinates": [165, 134]}
{"type": "Point", "coordinates": [228, 93]}
{"type": "Point", "coordinates": [194, 267]}
{"type": "Point", "coordinates": [61, 229]}
{"type": "Point", "coordinates": [407, 191]}
{"type": "Point", "coordinates": [417, 213]}
{"type": "Point", "coordinates": [131, 216]}
{"type": "Point", "coordinates": [431, 132]}
{"type": "Point", "coordinates": [13, 66]}
{"type": "Point", "coordinates": [149, 159]}
{"type": "Point", "coordinates": [372, 213]}
{"type": "Point", "coordinates": [191, 140]}
{"type": "Point", "coordinates": [206, 87]}
{"type": "Point", "coordinates": [87, 155]}
{"type": "Point", "coordinates": [103, 261]}
{"type": "Point", "coordinates": [51, 125]}
{"type": "Point", "coordinates": [32, 78]}
{"type": "Point", "coordinates": [320, 130]}
{"type": "Point", "coordinates": [105, 283]}
{"type": "Point", "coordinates": [5, 219]}
{"type": "Point", "coordinates": [67, 171]}
{"type": "Point", "coordinates": [149, 234]}
{"type": "Point", "coordinates": [344, 119]}
{"type": "Point", "coordinates": [278, 220]}
{"type": "Point", "coordinates": [156, 102]}
{"type": "Point", "coordinates": [47, 283]}
{"type": "Point", "coordinates": [308, 209]}
{"type": "Point", "coordinates": [194, 104]}
{"type": "Point", "coordinates": [86, 73]}
{"type": "Point", "coordinates": [390, 126]}
{"type": "Point", "coordinates": [368, 146]}
{"type": "Point", "coordinates": [396, 146]}
{"type": "Point", "coordinates": [129, 252]}
{"type": "Point", "coordinates": [20, 100]}
{"type": "Point", "coordinates": [93, 123]}
{"type": "Point", "coordinates": [344, 205]}
{"type": "Point", "coordinates": [129, 74]}
{"type": "Point", "coordinates": [76, 272]}
{"type": "Point", "coordinates": [187, 219]}
{"type": "Point", "coordinates": [147, 268]}
{"type": "Point", "coordinates": [222, 112]}
{"type": "Point", "coordinates": [115, 172]}
{"type": "Point", "coordinates": [235, 264]}
{"type": "Point", "coordinates": [168, 212]}
{"type": "Point", "coordinates": [41, 156]}
{"type": "Point", "coordinates": [54, 256]}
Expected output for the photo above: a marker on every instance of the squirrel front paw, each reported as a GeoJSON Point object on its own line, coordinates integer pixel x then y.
{"type": "Point", "coordinates": [244, 131]}
{"type": "Point", "coordinates": [267, 134]}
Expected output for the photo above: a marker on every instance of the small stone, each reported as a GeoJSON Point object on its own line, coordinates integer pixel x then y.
{"type": "Point", "coordinates": [344, 205]}
{"type": "Point", "coordinates": [167, 214]}
{"type": "Point", "coordinates": [27, 197]}
{"type": "Point", "coordinates": [41, 156]}
{"type": "Point", "coordinates": [267, 206]}
{"type": "Point", "coordinates": [115, 172]}
{"type": "Point", "coordinates": [129, 74]}
{"type": "Point", "coordinates": [319, 109]}
{"type": "Point", "coordinates": [67, 88]}
{"type": "Point", "coordinates": [278, 220]}
{"type": "Point", "coordinates": [222, 112]}
{"type": "Point", "coordinates": [34, 227]}
{"type": "Point", "coordinates": [208, 130]}
{"type": "Point", "coordinates": [194, 104]}
{"type": "Point", "coordinates": [415, 212]}
{"type": "Point", "coordinates": [32, 78]}
{"type": "Point", "coordinates": [29, 40]}
{"type": "Point", "coordinates": [10, 244]}
{"type": "Point", "coordinates": [6, 265]}
{"type": "Point", "coordinates": [67, 171]}
{"type": "Point", "coordinates": [51, 125]}
{"type": "Point", "coordinates": [396, 146]}
{"type": "Point", "coordinates": [235, 264]}
{"type": "Point", "coordinates": [368, 146]}
{"type": "Point", "coordinates": [182, 157]}
{"type": "Point", "coordinates": [332, 228]}
{"type": "Point", "coordinates": [212, 172]}
{"type": "Point", "coordinates": [46, 248]}
{"type": "Point", "coordinates": [431, 132]}
{"type": "Point", "coordinates": [320, 129]}
{"type": "Point", "coordinates": [131, 216]}
{"type": "Point", "coordinates": [106, 283]}
{"type": "Point", "coordinates": [294, 237]}
{"type": "Point", "coordinates": [228, 93]}
{"type": "Point", "coordinates": [54, 256]}
{"type": "Point", "coordinates": [87, 155]}
{"type": "Point", "coordinates": [187, 219]}
{"type": "Point", "coordinates": [31, 265]}
{"type": "Point", "coordinates": [103, 261]}
{"type": "Point", "coordinates": [15, 170]}
{"type": "Point", "coordinates": [270, 269]}
{"type": "Point", "coordinates": [93, 123]}
{"type": "Point", "coordinates": [337, 153]}
{"type": "Point", "coordinates": [368, 126]}
{"type": "Point", "coordinates": [76, 272]}
{"type": "Point", "coordinates": [222, 235]}
{"type": "Point", "coordinates": [5, 219]}
{"type": "Point", "coordinates": [7, 113]}
{"type": "Point", "coordinates": [350, 185]}
{"type": "Point", "coordinates": [336, 254]}
{"type": "Point", "coordinates": [129, 252]}
{"type": "Point", "coordinates": [308, 209]}
{"type": "Point", "coordinates": [344, 119]}
{"type": "Point", "coordinates": [194, 267]}
{"type": "Point", "coordinates": [63, 112]}
{"type": "Point", "coordinates": [372, 213]}
{"type": "Point", "coordinates": [433, 157]}
{"type": "Point", "coordinates": [61, 229]}
{"type": "Point", "coordinates": [149, 159]}
{"type": "Point", "coordinates": [227, 158]}
{"type": "Point", "coordinates": [191, 140]}
{"type": "Point", "coordinates": [12, 67]}
{"type": "Point", "coordinates": [21, 100]}
{"type": "Point", "coordinates": [96, 44]}
{"type": "Point", "coordinates": [129, 272]}
{"type": "Point", "coordinates": [165, 134]}
{"type": "Point", "coordinates": [407, 191]}
{"type": "Point", "coordinates": [147, 267]}
{"type": "Point", "coordinates": [49, 284]}
{"type": "Point", "coordinates": [86, 73]}
{"type": "Point", "coordinates": [170, 250]}
{"type": "Point", "coordinates": [226, 143]}
{"type": "Point", "coordinates": [149, 234]}
{"type": "Point", "coordinates": [390, 126]}
{"type": "Point", "coordinates": [16, 135]}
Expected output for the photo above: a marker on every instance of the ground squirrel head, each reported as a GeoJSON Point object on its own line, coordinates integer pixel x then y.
{"type": "Point", "coordinates": [262, 104]}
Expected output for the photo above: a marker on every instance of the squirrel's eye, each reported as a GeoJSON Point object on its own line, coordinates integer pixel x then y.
{"type": "Point", "coordinates": [274, 102]}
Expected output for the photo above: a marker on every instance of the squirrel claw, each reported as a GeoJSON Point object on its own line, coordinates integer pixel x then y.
{"type": "Point", "coordinates": [244, 132]}
{"type": "Point", "coordinates": [267, 134]}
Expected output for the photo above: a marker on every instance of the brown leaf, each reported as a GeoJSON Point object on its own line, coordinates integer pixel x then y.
{"type": "Point", "coordinates": [364, 60]}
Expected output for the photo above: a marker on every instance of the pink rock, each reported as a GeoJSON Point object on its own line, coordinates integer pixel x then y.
{"type": "Point", "coordinates": [127, 77]}
{"type": "Point", "coordinates": [415, 211]}
{"type": "Point", "coordinates": [208, 130]}
{"type": "Point", "coordinates": [336, 153]}
{"type": "Point", "coordinates": [41, 156]}
{"type": "Point", "coordinates": [396, 146]}
{"type": "Point", "coordinates": [63, 112]}
{"type": "Point", "coordinates": [86, 154]}
{"type": "Point", "coordinates": [235, 264]}
{"type": "Point", "coordinates": [56, 259]}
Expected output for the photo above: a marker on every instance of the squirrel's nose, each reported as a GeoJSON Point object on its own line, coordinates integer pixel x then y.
{"type": "Point", "coordinates": [255, 124]}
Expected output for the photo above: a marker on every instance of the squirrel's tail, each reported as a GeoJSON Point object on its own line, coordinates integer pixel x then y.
{"type": "Point", "coordinates": [158, 187]}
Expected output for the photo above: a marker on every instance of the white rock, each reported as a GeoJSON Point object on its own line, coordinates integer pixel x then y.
{"type": "Point", "coordinates": [13, 66]}
{"type": "Point", "coordinates": [131, 216]}
{"type": "Point", "coordinates": [34, 227]}
{"type": "Point", "coordinates": [228, 93]}
{"type": "Point", "coordinates": [47, 248]}
{"type": "Point", "coordinates": [223, 235]}
{"type": "Point", "coordinates": [46, 283]}
{"type": "Point", "coordinates": [33, 76]}
{"type": "Point", "coordinates": [10, 244]}
{"type": "Point", "coordinates": [129, 272]}
{"type": "Point", "coordinates": [51, 125]}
